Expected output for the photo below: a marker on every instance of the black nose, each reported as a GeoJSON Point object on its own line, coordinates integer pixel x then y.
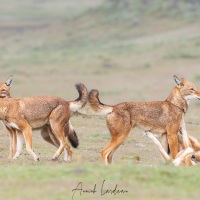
{"type": "Point", "coordinates": [193, 156]}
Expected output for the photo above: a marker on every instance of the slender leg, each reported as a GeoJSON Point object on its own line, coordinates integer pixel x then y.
{"type": "Point", "coordinates": [58, 119]}
{"type": "Point", "coordinates": [27, 132]}
{"type": "Point", "coordinates": [62, 143]}
{"type": "Point", "coordinates": [107, 152]}
{"type": "Point", "coordinates": [53, 138]}
{"type": "Point", "coordinates": [67, 158]}
{"type": "Point", "coordinates": [172, 135]}
{"type": "Point", "coordinates": [186, 141]}
{"type": "Point", "coordinates": [164, 142]}
{"type": "Point", "coordinates": [119, 132]}
{"type": "Point", "coordinates": [14, 142]}
{"type": "Point", "coordinates": [159, 145]}
{"type": "Point", "coordinates": [45, 133]}
{"type": "Point", "coordinates": [49, 136]}
{"type": "Point", "coordinates": [63, 146]}
{"type": "Point", "coordinates": [11, 135]}
{"type": "Point", "coordinates": [20, 140]}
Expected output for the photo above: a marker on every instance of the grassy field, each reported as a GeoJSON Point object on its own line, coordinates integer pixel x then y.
{"type": "Point", "coordinates": [57, 181]}
{"type": "Point", "coordinates": [129, 50]}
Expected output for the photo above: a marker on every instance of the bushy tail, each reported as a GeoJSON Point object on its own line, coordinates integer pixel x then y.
{"type": "Point", "coordinates": [81, 101]}
{"type": "Point", "coordinates": [96, 105]}
{"type": "Point", "coordinates": [72, 137]}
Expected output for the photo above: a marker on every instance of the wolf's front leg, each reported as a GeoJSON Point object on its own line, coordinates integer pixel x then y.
{"type": "Point", "coordinates": [20, 141]}
{"type": "Point", "coordinates": [172, 136]}
{"type": "Point", "coordinates": [12, 138]}
{"type": "Point", "coordinates": [27, 132]}
{"type": "Point", "coordinates": [186, 140]}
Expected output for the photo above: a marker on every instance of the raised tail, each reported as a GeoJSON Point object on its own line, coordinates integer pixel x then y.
{"type": "Point", "coordinates": [72, 137]}
{"type": "Point", "coordinates": [96, 105]}
{"type": "Point", "coordinates": [81, 101]}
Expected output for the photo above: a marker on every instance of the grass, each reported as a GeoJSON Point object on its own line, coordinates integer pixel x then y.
{"type": "Point", "coordinates": [59, 180]}
{"type": "Point", "coordinates": [135, 169]}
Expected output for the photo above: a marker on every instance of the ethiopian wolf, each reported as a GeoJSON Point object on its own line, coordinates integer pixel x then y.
{"type": "Point", "coordinates": [50, 114]}
{"type": "Point", "coordinates": [160, 117]}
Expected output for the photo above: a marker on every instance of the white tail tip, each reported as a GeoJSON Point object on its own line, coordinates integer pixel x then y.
{"type": "Point", "coordinates": [75, 106]}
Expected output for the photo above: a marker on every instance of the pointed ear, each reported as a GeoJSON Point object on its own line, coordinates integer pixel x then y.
{"type": "Point", "coordinates": [178, 82]}
{"type": "Point", "coordinates": [9, 81]}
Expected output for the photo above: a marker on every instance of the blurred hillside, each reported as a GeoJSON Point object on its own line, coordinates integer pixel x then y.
{"type": "Point", "coordinates": [128, 49]}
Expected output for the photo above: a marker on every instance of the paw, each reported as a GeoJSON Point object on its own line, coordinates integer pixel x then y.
{"type": "Point", "coordinates": [54, 158]}
{"type": "Point", "coordinates": [15, 157]}
{"type": "Point", "coordinates": [68, 159]}
{"type": "Point", "coordinates": [177, 162]}
{"type": "Point", "coordinates": [37, 159]}
{"type": "Point", "coordinates": [145, 133]}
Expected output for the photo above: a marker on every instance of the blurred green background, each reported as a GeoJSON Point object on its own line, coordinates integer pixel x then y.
{"type": "Point", "coordinates": [127, 49]}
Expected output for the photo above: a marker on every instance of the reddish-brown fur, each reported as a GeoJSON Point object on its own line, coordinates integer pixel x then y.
{"type": "Point", "coordinates": [186, 155]}
{"type": "Point", "coordinates": [5, 92]}
{"type": "Point", "coordinates": [50, 114]}
{"type": "Point", "coordinates": [5, 88]}
{"type": "Point", "coordinates": [192, 158]}
{"type": "Point", "coordinates": [158, 117]}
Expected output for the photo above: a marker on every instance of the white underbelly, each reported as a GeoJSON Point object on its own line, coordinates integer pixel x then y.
{"type": "Point", "coordinates": [12, 125]}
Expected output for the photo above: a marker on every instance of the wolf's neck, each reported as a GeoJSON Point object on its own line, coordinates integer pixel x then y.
{"type": "Point", "coordinates": [3, 111]}
{"type": "Point", "coordinates": [4, 107]}
{"type": "Point", "coordinates": [176, 99]}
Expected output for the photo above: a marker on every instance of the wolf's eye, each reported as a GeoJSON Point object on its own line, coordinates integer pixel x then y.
{"type": "Point", "coordinates": [192, 89]}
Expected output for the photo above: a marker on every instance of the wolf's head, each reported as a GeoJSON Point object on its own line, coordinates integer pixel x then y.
{"type": "Point", "coordinates": [195, 157]}
{"type": "Point", "coordinates": [188, 90]}
{"type": "Point", "coordinates": [5, 88]}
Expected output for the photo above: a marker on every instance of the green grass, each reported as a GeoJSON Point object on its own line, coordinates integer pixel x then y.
{"type": "Point", "coordinates": [57, 181]}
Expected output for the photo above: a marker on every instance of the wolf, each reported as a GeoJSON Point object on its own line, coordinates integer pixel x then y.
{"type": "Point", "coordinates": [50, 114]}
{"type": "Point", "coordinates": [160, 117]}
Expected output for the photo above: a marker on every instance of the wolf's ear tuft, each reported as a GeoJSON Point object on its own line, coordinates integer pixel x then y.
{"type": "Point", "coordinates": [9, 81]}
{"type": "Point", "coordinates": [178, 82]}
